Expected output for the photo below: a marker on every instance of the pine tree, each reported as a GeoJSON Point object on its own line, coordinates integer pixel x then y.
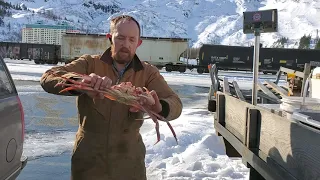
{"type": "Point", "coordinates": [305, 42]}
{"type": "Point", "coordinates": [280, 42]}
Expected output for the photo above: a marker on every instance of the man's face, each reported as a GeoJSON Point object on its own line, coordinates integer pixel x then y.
{"type": "Point", "coordinates": [126, 40]}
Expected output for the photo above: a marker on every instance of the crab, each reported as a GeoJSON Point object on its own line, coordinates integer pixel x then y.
{"type": "Point", "coordinates": [124, 93]}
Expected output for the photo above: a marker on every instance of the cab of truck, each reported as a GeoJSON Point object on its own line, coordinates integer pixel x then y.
{"type": "Point", "coordinates": [11, 127]}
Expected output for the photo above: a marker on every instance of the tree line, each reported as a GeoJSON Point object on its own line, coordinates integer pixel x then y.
{"type": "Point", "coordinates": [304, 42]}
{"type": "Point", "coordinates": [105, 8]}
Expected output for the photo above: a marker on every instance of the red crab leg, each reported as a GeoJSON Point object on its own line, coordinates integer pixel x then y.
{"type": "Point", "coordinates": [154, 118]}
{"type": "Point", "coordinates": [168, 123]}
{"type": "Point", "coordinates": [174, 134]}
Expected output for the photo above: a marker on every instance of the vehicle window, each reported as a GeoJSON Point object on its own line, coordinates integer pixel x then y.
{"type": "Point", "coordinates": [5, 85]}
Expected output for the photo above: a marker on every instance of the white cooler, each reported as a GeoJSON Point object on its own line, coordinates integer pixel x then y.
{"type": "Point", "coordinates": [315, 83]}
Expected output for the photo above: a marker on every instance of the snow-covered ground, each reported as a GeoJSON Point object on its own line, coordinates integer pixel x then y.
{"type": "Point", "coordinates": [51, 125]}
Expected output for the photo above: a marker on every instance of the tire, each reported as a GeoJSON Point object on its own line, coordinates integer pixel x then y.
{"type": "Point", "coordinates": [168, 68]}
{"type": "Point", "coordinates": [182, 69]}
{"type": "Point", "coordinates": [200, 70]}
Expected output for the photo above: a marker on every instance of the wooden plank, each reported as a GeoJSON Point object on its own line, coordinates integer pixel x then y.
{"type": "Point", "coordinates": [290, 144]}
{"type": "Point", "coordinates": [286, 70]}
{"type": "Point", "coordinates": [226, 88]}
{"type": "Point", "coordinates": [235, 117]}
{"type": "Point", "coordinates": [277, 88]}
{"type": "Point", "coordinates": [267, 91]}
{"type": "Point", "coordinates": [291, 71]}
{"type": "Point", "coordinates": [238, 91]}
{"type": "Point", "coordinates": [299, 74]}
{"type": "Point", "coordinates": [268, 169]}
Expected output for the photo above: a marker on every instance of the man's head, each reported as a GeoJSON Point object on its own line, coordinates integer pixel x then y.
{"type": "Point", "coordinates": [125, 34]}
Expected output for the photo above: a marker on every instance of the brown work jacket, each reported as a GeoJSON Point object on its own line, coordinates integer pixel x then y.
{"type": "Point", "coordinates": [108, 144]}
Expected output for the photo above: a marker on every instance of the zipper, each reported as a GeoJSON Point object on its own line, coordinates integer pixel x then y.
{"type": "Point", "coordinates": [118, 80]}
{"type": "Point", "coordinates": [119, 77]}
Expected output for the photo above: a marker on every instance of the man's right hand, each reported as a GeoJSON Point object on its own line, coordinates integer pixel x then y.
{"type": "Point", "coordinates": [97, 83]}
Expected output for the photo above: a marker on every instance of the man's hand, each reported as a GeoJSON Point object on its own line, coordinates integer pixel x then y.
{"type": "Point", "coordinates": [156, 107]}
{"type": "Point", "coordinates": [97, 83]}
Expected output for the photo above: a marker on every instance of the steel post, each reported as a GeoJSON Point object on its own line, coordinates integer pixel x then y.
{"type": "Point", "coordinates": [256, 66]}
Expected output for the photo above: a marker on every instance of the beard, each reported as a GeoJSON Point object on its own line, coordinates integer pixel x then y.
{"type": "Point", "coordinates": [123, 56]}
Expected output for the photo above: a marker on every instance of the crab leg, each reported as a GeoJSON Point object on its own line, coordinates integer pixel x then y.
{"type": "Point", "coordinates": [123, 93]}
{"type": "Point", "coordinates": [168, 123]}
{"type": "Point", "coordinates": [174, 134]}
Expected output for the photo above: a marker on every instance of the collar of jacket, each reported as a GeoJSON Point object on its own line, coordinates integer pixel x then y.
{"type": "Point", "coordinates": [135, 63]}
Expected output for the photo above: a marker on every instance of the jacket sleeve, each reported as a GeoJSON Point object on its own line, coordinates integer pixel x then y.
{"type": "Point", "coordinates": [170, 101]}
{"type": "Point", "coordinates": [48, 81]}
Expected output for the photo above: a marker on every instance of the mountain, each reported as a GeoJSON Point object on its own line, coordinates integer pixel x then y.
{"type": "Point", "coordinates": [204, 21]}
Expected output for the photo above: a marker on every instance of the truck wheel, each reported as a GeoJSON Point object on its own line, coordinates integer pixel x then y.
{"type": "Point", "coordinates": [168, 68]}
{"type": "Point", "coordinates": [200, 70]}
{"type": "Point", "coordinates": [182, 69]}
{"type": "Point", "coordinates": [54, 62]}
{"type": "Point", "coordinates": [36, 61]}
{"type": "Point", "coordinates": [212, 106]}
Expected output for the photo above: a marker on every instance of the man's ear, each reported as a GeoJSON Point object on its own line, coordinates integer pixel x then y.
{"type": "Point", "coordinates": [109, 36]}
{"type": "Point", "coordinates": [140, 42]}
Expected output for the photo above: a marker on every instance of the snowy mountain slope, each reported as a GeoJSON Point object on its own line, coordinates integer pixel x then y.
{"type": "Point", "coordinates": [204, 21]}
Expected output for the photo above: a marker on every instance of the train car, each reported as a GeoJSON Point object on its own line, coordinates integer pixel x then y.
{"type": "Point", "coordinates": [75, 45]}
{"type": "Point", "coordinates": [226, 57]}
{"type": "Point", "coordinates": [163, 52]}
{"type": "Point", "coordinates": [156, 51]}
{"type": "Point", "coordinates": [241, 58]}
{"type": "Point", "coordinates": [40, 53]}
{"type": "Point", "coordinates": [10, 50]}
{"type": "Point", "coordinates": [45, 53]}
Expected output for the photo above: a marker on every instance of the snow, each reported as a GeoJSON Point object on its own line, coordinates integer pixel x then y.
{"type": "Point", "coordinates": [51, 123]}
{"type": "Point", "coordinates": [206, 21]}
{"type": "Point", "coordinates": [33, 72]}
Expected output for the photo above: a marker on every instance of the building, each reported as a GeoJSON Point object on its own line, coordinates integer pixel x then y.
{"type": "Point", "coordinates": [45, 34]}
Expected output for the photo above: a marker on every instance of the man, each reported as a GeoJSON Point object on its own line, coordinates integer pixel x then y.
{"type": "Point", "coordinates": [108, 143]}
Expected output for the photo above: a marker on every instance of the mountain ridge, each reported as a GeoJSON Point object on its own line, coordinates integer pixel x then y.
{"type": "Point", "coordinates": [204, 22]}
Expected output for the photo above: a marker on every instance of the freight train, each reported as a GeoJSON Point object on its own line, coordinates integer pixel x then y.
{"type": "Point", "coordinates": [240, 58]}
{"type": "Point", "coordinates": [157, 51]}
{"type": "Point", "coordinates": [40, 53]}
{"type": "Point", "coordinates": [165, 52]}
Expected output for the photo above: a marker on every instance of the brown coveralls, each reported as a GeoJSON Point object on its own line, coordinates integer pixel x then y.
{"type": "Point", "coordinates": [108, 144]}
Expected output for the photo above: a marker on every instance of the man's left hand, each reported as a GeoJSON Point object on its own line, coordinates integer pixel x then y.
{"type": "Point", "coordinates": [156, 107]}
